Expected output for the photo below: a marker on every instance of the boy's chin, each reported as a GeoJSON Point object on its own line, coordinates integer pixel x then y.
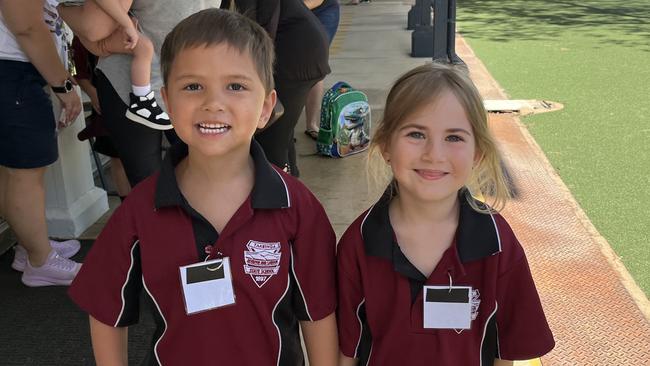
{"type": "Point", "coordinates": [222, 151]}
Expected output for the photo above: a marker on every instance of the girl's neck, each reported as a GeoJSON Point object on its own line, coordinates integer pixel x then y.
{"type": "Point", "coordinates": [412, 210]}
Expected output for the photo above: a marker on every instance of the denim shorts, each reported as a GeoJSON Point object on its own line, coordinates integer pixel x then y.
{"type": "Point", "coordinates": [27, 126]}
{"type": "Point", "coordinates": [329, 17]}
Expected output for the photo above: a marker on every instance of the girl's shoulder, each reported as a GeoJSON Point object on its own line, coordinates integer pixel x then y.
{"type": "Point", "coordinates": [511, 251]}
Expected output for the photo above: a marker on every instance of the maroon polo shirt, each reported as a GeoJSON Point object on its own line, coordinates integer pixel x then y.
{"type": "Point", "coordinates": [154, 232]}
{"type": "Point", "coordinates": [380, 306]}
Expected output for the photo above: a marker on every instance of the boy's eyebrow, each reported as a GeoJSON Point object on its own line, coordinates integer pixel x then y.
{"type": "Point", "coordinates": [197, 76]}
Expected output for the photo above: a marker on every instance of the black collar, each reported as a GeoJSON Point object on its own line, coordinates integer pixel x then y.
{"type": "Point", "coordinates": [269, 189]}
{"type": "Point", "coordinates": [477, 236]}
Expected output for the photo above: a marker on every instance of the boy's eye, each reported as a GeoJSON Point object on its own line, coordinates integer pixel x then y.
{"type": "Point", "coordinates": [193, 87]}
{"type": "Point", "coordinates": [454, 138]}
{"type": "Point", "coordinates": [235, 86]}
{"type": "Point", "coordinates": [416, 135]}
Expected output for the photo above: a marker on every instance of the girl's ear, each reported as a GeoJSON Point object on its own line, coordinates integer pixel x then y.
{"type": "Point", "coordinates": [478, 158]}
{"type": "Point", "coordinates": [385, 153]}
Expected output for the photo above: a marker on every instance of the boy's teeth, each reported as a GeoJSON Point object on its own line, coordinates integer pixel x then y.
{"type": "Point", "coordinates": [213, 125]}
{"type": "Point", "coordinates": [213, 128]}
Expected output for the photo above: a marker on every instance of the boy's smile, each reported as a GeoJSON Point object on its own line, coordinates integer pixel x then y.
{"type": "Point", "coordinates": [216, 99]}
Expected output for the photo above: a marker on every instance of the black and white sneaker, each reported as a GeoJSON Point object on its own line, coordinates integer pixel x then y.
{"type": "Point", "coordinates": [146, 111]}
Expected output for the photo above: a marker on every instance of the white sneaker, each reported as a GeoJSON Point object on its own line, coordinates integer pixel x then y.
{"type": "Point", "coordinates": [56, 271]}
{"type": "Point", "coordinates": [65, 249]}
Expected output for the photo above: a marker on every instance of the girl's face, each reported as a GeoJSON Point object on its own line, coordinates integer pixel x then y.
{"type": "Point", "coordinates": [433, 150]}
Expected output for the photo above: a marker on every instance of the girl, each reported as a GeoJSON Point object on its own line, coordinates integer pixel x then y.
{"type": "Point", "coordinates": [430, 275]}
{"type": "Point", "coordinates": [104, 27]}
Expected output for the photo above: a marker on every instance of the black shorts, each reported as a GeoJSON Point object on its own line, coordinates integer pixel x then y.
{"type": "Point", "coordinates": [27, 126]}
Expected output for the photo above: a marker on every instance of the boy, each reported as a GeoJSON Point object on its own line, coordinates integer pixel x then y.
{"type": "Point", "coordinates": [268, 247]}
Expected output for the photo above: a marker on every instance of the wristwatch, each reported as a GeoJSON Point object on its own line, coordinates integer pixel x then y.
{"type": "Point", "coordinates": [67, 87]}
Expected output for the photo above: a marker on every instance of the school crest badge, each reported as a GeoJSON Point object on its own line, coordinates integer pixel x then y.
{"type": "Point", "coordinates": [476, 301]}
{"type": "Point", "coordinates": [262, 261]}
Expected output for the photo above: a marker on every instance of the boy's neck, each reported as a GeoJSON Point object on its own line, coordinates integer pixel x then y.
{"type": "Point", "coordinates": [218, 170]}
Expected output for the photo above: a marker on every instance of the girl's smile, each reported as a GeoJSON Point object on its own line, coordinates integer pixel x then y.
{"type": "Point", "coordinates": [433, 151]}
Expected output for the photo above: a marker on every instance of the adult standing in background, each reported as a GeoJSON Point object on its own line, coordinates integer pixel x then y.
{"type": "Point", "coordinates": [301, 50]}
{"type": "Point", "coordinates": [140, 147]}
{"type": "Point", "coordinates": [328, 13]}
{"type": "Point", "coordinates": [33, 55]}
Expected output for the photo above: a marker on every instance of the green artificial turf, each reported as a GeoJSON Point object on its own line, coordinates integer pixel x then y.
{"type": "Point", "coordinates": [593, 57]}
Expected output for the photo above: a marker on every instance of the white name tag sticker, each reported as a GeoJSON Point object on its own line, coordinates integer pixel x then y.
{"type": "Point", "coordinates": [447, 308]}
{"type": "Point", "coordinates": [207, 285]}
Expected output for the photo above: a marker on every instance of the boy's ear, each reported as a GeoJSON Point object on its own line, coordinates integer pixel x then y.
{"type": "Point", "coordinates": [163, 92]}
{"type": "Point", "coordinates": [267, 108]}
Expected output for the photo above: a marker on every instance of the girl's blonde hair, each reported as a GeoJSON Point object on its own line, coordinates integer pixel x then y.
{"type": "Point", "coordinates": [423, 85]}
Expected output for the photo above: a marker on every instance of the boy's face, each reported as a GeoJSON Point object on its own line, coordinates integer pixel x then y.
{"type": "Point", "coordinates": [216, 99]}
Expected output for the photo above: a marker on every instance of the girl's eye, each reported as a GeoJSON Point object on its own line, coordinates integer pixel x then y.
{"type": "Point", "coordinates": [454, 138]}
{"type": "Point", "coordinates": [416, 135]}
{"type": "Point", "coordinates": [235, 87]}
{"type": "Point", "coordinates": [193, 87]}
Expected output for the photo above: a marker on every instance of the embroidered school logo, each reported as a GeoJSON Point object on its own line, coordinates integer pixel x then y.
{"type": "Point", "coordinates": [262, 260]}
{"type": "Point", "coordinates": [475, 302]}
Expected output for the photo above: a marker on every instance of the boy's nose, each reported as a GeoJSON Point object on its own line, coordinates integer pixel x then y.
{"type": "Point", "coordinates": [213, 101]}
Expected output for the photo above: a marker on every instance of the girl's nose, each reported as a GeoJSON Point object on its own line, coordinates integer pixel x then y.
{"type": "Point", "coordinates": [433, 151]}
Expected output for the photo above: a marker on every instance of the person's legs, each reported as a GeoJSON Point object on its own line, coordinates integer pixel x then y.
{"type": "Point", "coordinates": [90, 21]}
{"type": "Point", "coordinates": [277, 140]}
{"type": "Point", "coordinates": [119, 178]}
{"type": "Point", "coordinates": [23, 192]}
{"type": "Point", "coordinates": [139, 147]}
{"type": "Point", "coordinates": [312, 109]}
{"type": "Point", "coordinates": [28, 144]}
{"type": "Point", "coordinates": [329, 18]}
{"type": "Point", "coordinates": [141, 63]}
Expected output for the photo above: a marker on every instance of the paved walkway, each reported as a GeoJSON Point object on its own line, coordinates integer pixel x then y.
{"type": "Point", "coordinates": [596, 311]}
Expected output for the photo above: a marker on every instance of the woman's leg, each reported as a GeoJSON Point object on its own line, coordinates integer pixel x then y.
{"type": "Point", "coordinates": [90, 21]}
{"type": "Point", "coordinates": [277, 140]}
{"type": "Point", "coordinates": [22, 192]}
{"type": "Point", "coordinates": [329, 18]}
{"type": "Point", "coordinates": [312, 106]}
{"type": "Point", "coordinates": [119, 177]}
{"type": "Point", "coordinates": [139, 147]}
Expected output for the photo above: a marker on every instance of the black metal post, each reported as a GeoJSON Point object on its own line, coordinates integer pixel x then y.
{"type": "Point", "coordinates": [451, 35]}
{"type": "Point", "coordinates": [440, 17]}
{"type": "Point", "coordinates": [422, 36]}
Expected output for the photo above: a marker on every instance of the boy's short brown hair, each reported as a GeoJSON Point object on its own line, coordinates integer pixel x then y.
{"type": "Point", "coordinates": [212, 27]}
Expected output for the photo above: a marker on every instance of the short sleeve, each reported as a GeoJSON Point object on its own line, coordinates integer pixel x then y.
{"type": "Point", "coordinates": [109, 283]}
{"type": "Point", "coordinates": [313, 260]}
{"type": "Point", "coordinates": [523, 331]}
{"type": "Point", "coordinates": [354, 335]}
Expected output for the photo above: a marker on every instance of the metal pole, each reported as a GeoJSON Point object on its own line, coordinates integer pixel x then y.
{"type": "Point", "coordinates": [440, 17]}
{"type": "Point", "coordinates": [451, 35]}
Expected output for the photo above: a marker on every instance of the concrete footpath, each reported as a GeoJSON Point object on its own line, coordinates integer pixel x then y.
{"type": "Point", "coordinates": [597, 313]}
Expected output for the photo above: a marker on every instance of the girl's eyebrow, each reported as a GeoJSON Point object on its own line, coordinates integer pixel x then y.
{"type": "Point", "coordinates": [424, 128]}
{"type": "Point", "coordinates": [457, 130]}
{"type": "Point", "coordinates": [413, 125]}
